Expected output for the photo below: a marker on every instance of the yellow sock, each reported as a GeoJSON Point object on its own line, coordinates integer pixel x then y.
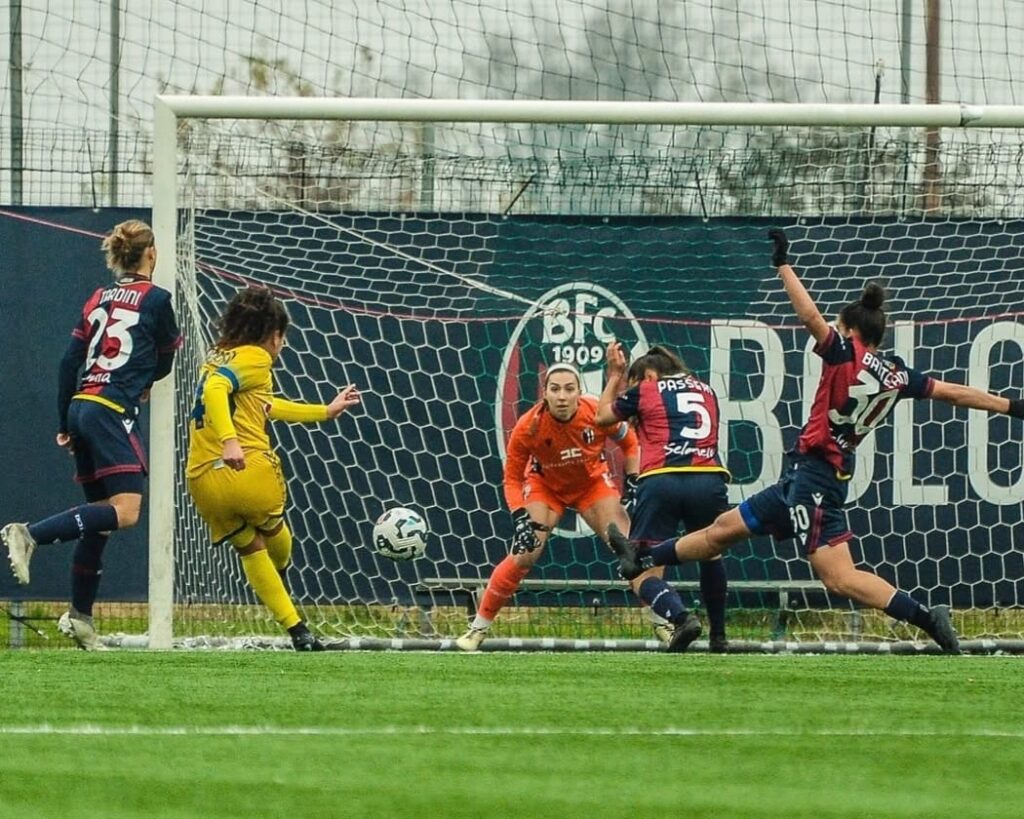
{"type": "Point", "coordinates": [266, 582]}
{"type": "Point", "coordinates": [279, 547]}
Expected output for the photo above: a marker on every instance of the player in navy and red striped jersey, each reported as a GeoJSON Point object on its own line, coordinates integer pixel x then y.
{"type": "Point", "coordinates": [857, 390]}
{"type": "Point", "coordinates": [681, 483]}
{"type": "Point", "coordinates": [124, 341]}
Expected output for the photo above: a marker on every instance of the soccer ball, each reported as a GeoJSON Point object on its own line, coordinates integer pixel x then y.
{"type": "Point", "coordinates": [400, 534]}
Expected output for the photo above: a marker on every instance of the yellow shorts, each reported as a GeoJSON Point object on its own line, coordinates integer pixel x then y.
{"type": "Point", "coordinates": [236, 504]}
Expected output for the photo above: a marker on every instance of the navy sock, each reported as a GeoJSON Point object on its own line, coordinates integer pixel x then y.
{"type": "Point", "coordinates": [663, 599]}
{"type": "Point", "coordinates": [713, 586]}
{"type": "Point", "coordinates": [663, 554]}
{"type": "Point", "coordinates": [906, 608]}
{"type": "Point", "coordinates": [86, 572]}
{"type": "Point", "coordinates": [74, 523]}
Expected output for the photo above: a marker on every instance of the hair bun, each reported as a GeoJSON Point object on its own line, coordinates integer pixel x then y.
{"type": "Point", "coordinates": [873, 296]}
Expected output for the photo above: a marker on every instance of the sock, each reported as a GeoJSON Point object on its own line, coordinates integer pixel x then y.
{"type": "Point", "coordinates": [86, 571]}
{"type": "Point", "coordinates": [663, 554]}
{"type": "Point", "coordinates": [663, 599]}
{"type": "Point", "coordinates": [502, 585]}
{"type": "Point", "coordinates": [76, 614]}
{"type": "Point", "coordinates": [279, 547]}
{"type": "Point", "coordinates": [656, 619]}
{"type": "Point", "coordinates": [265, 581]}
{"type": "Point", "coordinates": [74, 523]}
{"type": "Point", "coordinates": [906, 608]}
{"type": "Point", "coordinates": [713, 585]}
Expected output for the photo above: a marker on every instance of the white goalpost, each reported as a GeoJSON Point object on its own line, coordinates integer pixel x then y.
{"type": "Point", "coordinates": [438, 253]}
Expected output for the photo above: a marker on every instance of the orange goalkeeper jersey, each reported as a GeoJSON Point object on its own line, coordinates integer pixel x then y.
{"type": "Point", "coordinates": [568, 456]}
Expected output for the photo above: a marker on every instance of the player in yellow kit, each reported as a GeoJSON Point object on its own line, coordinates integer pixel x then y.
{"type": "Point", "coordinates": [234, 476]}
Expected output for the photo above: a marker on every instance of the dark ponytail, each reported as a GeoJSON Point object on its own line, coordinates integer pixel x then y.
{"type": "Point", "coordinates": [252, 316]}
{"type": "Point", "coordinates": [867, 315]}
{"type": "Point", "coordinates": [660, 360]}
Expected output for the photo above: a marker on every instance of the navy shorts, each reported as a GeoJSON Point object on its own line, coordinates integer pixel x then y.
{"type": "Point", "coordinates": [110, 457]}
{"type": "Point", "coordinates": [807, 503]}
{"type": "Point", "coordinates": [669, 501]}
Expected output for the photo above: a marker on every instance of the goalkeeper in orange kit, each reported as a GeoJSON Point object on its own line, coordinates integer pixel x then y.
{"type": "Point", "coordinates": [555, 461]}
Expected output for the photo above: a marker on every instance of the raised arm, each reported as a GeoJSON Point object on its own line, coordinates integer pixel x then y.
{"type": "Point", "coordinates": [803, 304]}
{"type": "Point", "coordinates": [613, 385]}
{"type": "Point", "coordinates": [960, 395]}
{"type": "Point", "coordinates": [630, 446]}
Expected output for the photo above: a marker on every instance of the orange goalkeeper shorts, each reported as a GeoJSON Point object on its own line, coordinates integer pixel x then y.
{"type": "Point", "coordinates": [537, 491]}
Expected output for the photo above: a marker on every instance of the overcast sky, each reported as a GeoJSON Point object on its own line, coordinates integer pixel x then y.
{"type": "Point", "coordinates": [809, 50]}
{"type": "Point", "coordinates": [735, 50]}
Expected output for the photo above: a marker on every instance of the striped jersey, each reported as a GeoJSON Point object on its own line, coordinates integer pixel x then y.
{"type": "Point", "coordinates": [857, 390]}
{"type": "Point", "coordinates": [676, 422]}
{"type": "Point", "coordinates": [125, 327]}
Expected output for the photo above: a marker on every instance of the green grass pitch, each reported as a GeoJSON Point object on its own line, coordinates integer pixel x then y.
{"type": "Point", "coordinates": [347, 734]}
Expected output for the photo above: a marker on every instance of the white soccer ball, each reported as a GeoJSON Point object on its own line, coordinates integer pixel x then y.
{"type": "Point", "coordinates": [400, 534]}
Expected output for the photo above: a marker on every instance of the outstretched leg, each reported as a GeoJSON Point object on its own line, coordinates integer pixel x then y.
{"type": "Point", "coordinates": [834, 565]}
{"type": "Point", "coordinates": [703, 544]}
{"type": "Point", "coordinates": [266, 582]}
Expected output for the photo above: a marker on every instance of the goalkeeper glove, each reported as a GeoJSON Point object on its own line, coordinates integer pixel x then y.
{"type": "Point", "coordinates": [629, 488]}
{"type": "Point", "coordinates": [780, 247]}
{"type": "Point", "coordinates": [1016, 408]}
{"type": "Point", "coordinates": [524, 534]}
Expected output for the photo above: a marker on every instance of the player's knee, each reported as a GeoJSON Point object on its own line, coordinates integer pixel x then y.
{"type": "Point", "coordinates": [279, 546]}
{"type": "Point", "coordinates": [840, 583]}
{"type": "Point", "coordinates": [257, 544]}
{"type": "Point", "coordinates": [719, 532]}
{"type": "Point", "coordinates": [128, 511]}
{"type": "Point", "coordinates": [525, 560]}
{"type": "Point", "coordinates": [127, 518]}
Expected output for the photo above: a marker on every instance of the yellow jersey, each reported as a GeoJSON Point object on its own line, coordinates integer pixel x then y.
{"type": "Point", "coordinates": [234, 399]}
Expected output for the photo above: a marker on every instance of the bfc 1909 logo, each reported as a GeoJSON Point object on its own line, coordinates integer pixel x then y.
{"type": "Point", "coordinates": [570, 324]}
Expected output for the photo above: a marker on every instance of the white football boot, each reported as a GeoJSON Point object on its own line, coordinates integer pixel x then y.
{"type": "Point", "coordinates": [20, 546]}
{"type": "Point", "coordinates": [471, 640]}
{"type": "Point", "coordinates": [81, 631]}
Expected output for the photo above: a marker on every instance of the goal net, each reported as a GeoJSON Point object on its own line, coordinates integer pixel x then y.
{"type": "Point", "coordinates": [441, 266]}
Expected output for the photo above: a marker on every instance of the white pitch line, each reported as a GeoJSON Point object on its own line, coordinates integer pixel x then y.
{"type": "Point", "coordinates": [485, 731]}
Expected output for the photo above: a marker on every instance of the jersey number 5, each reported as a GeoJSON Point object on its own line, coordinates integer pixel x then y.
{"type": "Point", "coordinates": [116, 325]}
{"type": "Point", "coordinates": [693, 402]}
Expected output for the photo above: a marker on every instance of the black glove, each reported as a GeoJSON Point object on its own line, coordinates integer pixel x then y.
{"type": "Point", "coordinates": [781, 247]}
{"type": "Point", "coordinates": [629, 487]}
{"type": "Point", "coordinates": [524, 533]}
{"type": "Point", "coordinates": [1016, 408]}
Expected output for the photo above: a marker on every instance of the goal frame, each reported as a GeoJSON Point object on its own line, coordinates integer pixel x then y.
{"type": "Point", "coordinates": [168, 110]}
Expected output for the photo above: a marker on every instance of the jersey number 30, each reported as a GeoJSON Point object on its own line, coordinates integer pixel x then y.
{"type": "Point", "coordinates": [869, 406]}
